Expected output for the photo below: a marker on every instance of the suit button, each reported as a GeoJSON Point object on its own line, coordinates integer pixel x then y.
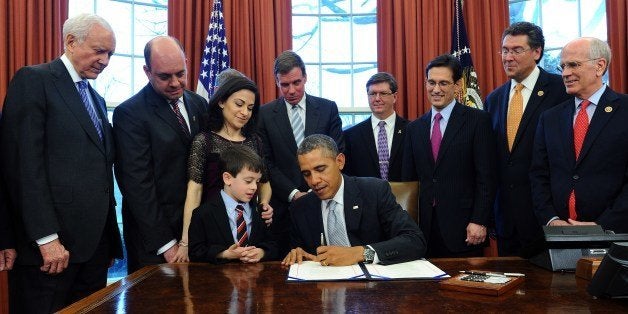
{"type": "Point", "coordinates": [434, 180]}
{"type": "Point", "coordinates": [576, 177]}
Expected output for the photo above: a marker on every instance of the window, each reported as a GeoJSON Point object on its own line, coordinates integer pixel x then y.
{"type": "Point", "coordinates": [561, 21]}
{"type": "Point", "coordinates": [134, 23]}
{"type": "Point", "coordinates": [338, 43]}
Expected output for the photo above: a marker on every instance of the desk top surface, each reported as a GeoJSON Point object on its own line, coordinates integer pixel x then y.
{"type": "Point", "coordinates": [263, 288]}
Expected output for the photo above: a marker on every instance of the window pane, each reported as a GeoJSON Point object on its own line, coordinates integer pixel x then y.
{"type": "Point", "coordinates": [551, 60]}
{"type": "Point", "coordinates": [149, 22]}
{"type": "Point", "coordinates": [114, 83]}
{"type": "Point", "coordinates": [336, 39]}
{"type": "Point", "coordinates": [524, 11]}
{"type": "Point", "coordinates": [364, 6]}
{"type": "Point", "coordinates": [76, 7]}
{"type": "Point", "coordinates": [139, 77]}
{"type": "Point", "coordinates": [559, 28]}
{"type": "Point", "coordinates": [365, 45]}
{"type": "Point", "coordinates": [335, 7]}
{"type": "Point", "coordinates": [305, 37]}
{"type": "Point", "coordinates": [594, 18]}
{"type": "Point", "coordinates": [336, 84]}
{"type": "Point", "coordinates": [313, 85]}
{"type": "Point", "coordinates": [304, 7]}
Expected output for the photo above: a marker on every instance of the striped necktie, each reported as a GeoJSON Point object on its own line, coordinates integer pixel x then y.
{"type": "Point", "coordinates": [382, 150]}
{"type": "Point", "coordinates": [242, 235]}
{"type": "Point", "coordinates": [91, 111]}
{"type": "Point", "coordinates": [297, 124]}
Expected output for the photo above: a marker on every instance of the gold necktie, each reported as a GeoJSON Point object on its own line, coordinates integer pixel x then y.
{"type": "Point", "coordinates": [515, 111]}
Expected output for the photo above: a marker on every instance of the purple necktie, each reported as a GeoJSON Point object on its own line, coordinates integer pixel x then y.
{"type": "Point", "coordinates": [382, 150]}
{"type": "Point", "coordinates": [437, 136]}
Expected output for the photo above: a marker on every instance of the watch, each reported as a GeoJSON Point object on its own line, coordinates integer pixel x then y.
{"type": "Point", "coordinates": [369, 255]}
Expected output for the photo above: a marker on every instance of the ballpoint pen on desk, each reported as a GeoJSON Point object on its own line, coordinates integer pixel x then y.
{"type": "Point", "coordinates": [470, 272]}
{"type": "Point", "coordinates": [322, 239]}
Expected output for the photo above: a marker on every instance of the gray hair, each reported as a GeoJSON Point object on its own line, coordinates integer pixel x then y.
{"type": "Point", "coordinates": [225, 75]}
{"type": "Point", "coordinates": [600, 49]}
{"type": "Point", "coordinates": [319, 141]}
{"type": "Point", "coordinates": [80, 25]}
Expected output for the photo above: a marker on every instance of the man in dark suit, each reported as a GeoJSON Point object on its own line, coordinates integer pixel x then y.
{"type": "Point", "coordinates": [346, 220]}
{"type": "Point", "coordinates": [515, 115]}
{"type": "Point", "coordinates": [451, 151]}
{"type": "Point", "coordinates": [374, 147]}
{"type": "Point", "coordinates": [57, 155]}
{"type": "Point", "coordinates": [283, 123]}
{"type": "Point", "coordinates": [153, 131]}
{"type": "Point", "coordinates": [580, 161]}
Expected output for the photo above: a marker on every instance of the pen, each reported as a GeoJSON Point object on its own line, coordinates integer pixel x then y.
{"type": "Point", "coordinates": [492, 274]}
{"type": "Point", "coordinates": [322, 239]}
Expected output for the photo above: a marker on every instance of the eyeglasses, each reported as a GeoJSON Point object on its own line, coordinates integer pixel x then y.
{"type": "Point", "coordinates": [514, 52]}
{"type": "Point", "coordinates": [441, 84]}
{"type": "Point", "coordinates": [380, 94]}
{"type": "Point", "coordinates": [573, 65]}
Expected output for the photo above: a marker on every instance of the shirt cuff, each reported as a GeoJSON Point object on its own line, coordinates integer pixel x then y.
{"type": "Point", "coordinates": [292, 195]}
{"type": "Point", "coordinates": [47, 239]}
{"type": "Point", "coordinates": [553, 218]}
{"type": "Point", "coordinates": [375, 258]}
{"type": "Point", "coordinates": [166, 247]}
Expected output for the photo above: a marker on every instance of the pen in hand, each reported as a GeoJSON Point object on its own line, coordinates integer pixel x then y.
{"type": "Point", "coordinates": [322, 239]}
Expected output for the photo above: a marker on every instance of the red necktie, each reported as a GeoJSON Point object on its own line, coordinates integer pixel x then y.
{"type": "Point", "coordinates": [579, 132]}
{"type": "Point", "coordinates": [177, 112]}
{"type": "Point", "coordinates": [242, 235]}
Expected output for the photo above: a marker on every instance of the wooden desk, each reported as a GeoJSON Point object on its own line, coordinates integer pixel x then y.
{"type": "Point", "coordinates": [262, 288]}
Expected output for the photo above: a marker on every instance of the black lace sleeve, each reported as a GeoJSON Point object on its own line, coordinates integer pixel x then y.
{"type": "Point", "coordinates": [198, 158]}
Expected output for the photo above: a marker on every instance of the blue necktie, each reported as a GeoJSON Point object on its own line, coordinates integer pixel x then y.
{"type": "Point", "coordinates": [82, 87]}
{"type": "Point", "coordinates": [336, 232]}
{"type": "Point", "coordinates": [297, 125]}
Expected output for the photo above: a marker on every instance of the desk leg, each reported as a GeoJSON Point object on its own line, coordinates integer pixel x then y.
{"type": "Point", "coordinates": [4, 292]}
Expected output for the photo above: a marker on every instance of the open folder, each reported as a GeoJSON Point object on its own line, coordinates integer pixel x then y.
{"type": "Point", "coordinates": [314, 271]}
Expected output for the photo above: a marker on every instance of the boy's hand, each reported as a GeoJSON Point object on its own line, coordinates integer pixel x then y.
{"type": "Point", "coordinates": [253, 255]}
{"type": "Point", "coordinates": [234, 251]}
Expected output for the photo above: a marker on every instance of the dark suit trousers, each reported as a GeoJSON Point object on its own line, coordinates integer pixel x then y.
{"type": "Point", "coordinates": [32, 291]}
{"type": "Point", "coordinates": [436, 246]}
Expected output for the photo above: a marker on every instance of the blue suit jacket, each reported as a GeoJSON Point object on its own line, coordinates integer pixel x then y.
{"type": "Point", "coordinates": [372, 217]}
{"type": "Point", "coordinates": [362, 159]}
{"type": "Point", "coordinates": [599, 176]}
{"type": "Point", "coordinates": [461, 182]}
{"type": "Point", "coordinates": [514, 212]}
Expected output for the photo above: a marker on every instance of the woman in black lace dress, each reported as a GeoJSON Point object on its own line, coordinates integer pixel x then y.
{"type": "Point", "coordinates": [233, 111]}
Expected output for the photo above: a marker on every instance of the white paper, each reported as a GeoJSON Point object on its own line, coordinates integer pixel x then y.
{"type": "Point", "coordinates": [419, 269]}
{"type": "Point", "coordinates": [314, 271]}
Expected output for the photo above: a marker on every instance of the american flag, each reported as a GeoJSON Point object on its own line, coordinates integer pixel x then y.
{"type": "Point", "coordinates": [215, 54]}
{"type": "Point", "coordinates": [470, 95]}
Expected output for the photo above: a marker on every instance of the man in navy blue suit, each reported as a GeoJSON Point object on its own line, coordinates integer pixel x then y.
{"type": "Point", "coordinates": [346, 220]}
{"type": "Point", "coordinates": [579, 170]}
{"type": "Point", "coordinates": [515, 124]}
{"type": "Point", "coordinates": [374, 147]}
{"type": "Point", "coordinates": [451, 151]}
{"type": "Point", "coordinates": [283, 123]}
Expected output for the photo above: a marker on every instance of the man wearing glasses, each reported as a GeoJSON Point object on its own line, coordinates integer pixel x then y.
{"type": "Point", "coordinates": [451, 151]}
{"type": "Point", "coordinates": [579, 171]}
{"type": "Point", "coordinates": [515, 108]}
{"type": "Point", "coordinates": [374, 147]}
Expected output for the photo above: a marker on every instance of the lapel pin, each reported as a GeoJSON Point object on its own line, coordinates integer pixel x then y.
{"type": "Point", "coordinates": [194, 118]}
{"type": "Point", "coordinates": [608, 109]}
{"type": "Point", "coordinates": [540, 93]}
{"type": "Point", "coordinates": [399, 132]}
{"type": "Point", "coordinates": [355, 207]}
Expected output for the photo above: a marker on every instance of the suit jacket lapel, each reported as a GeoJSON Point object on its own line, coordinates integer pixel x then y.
{"type": "Point", "coordinates": [352, 208]}
{"type": "Point", "coordinates": [600, 119]}
{"type": "Point", "coordinates": [566, 129]}
{"type": "Point", "coordinates": [282, 122]}
{"type": "Point", "coordinates": [193, 114]}
{"type": "Point", "coordinates": [424, 134]}
{"type": "Point", "coordinates": [367, 138]}
{"type": "Point", "coordinates": [165, 112]}
{"type": "Point", "coordinates": [538, 93]}
{"type": "Point", "coordinates": [456, 120]}
{"type": "Point", "coordinates": [312, 113]}
{"type": "Point", "coordinates": [397, 135]}
{"type": "Point", "coordinates": [219, 211]}
{"type": "Point", "coordinates": [68, 91]}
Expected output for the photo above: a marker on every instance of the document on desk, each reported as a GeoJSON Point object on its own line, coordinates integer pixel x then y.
{"type": "Point", "coordinates": [314, 271]}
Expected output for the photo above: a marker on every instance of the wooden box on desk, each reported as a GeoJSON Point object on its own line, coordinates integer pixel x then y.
{"type": "Point", "coordinates": [587, 266]}
{"type": "Point", "coordinates": [456, 284]}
